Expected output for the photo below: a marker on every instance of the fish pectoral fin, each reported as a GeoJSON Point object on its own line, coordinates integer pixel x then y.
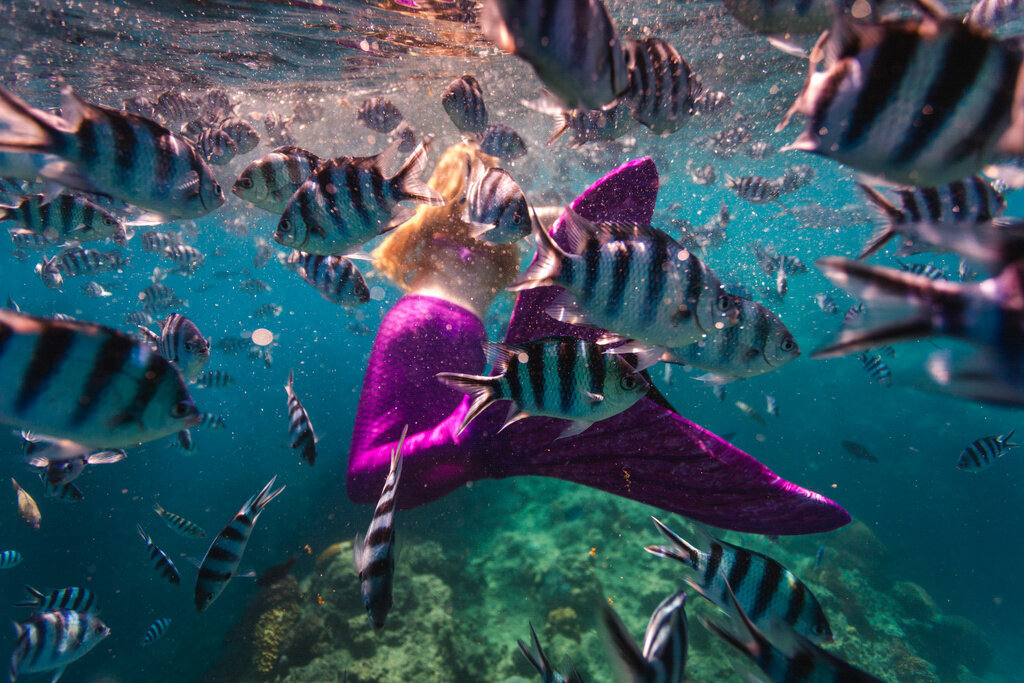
{"type": "Point", "coordinates": [594, 399]}
{"type": "Point", "coordinates": [714, 379]}
{"type": "Point", "coordinates": [575, 427]}
{"type": "Point", "coordinates": [57, 674]}
{"type": "Point", "coordinates": [514, 415]}
{"type": "Point", "coordinates": [189, 183]}
{"type": "Point", "coordinates": [357, 548]}
{"type": "Point", "coordinates": [565, 309]}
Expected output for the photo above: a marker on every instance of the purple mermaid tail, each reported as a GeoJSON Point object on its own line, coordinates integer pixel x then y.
{"type": "Point", "coordinates": [647, 453]}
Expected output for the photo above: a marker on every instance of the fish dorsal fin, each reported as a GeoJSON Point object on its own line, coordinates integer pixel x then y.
{"type": "Point", "coordinates": [357, 549]}
{"type": "Point", "coordinates": [498, 355]}
{"type": "Point", "coordinates": [73, 109]}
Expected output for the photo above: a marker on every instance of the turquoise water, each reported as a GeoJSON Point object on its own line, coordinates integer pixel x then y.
{"type": "Point", "coordinates": [479, 564]}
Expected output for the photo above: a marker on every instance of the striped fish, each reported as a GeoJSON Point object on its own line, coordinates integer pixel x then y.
{"type": "Point", "coordinates": [674, 299]}
{"type": "Point", "coordinates": [374, 554]}
{"type": "Point", "coordinates": [211, 421]}
{"type": "Point", "coordinates": [826, 303]}
{"type": "Point", "coordinates": [348, 201]}
{"type": "Point", "coordinates": [501, 141]}
{"type": "Point", "coordinates": [270, 181]}
{"type": "Point", "coordinates": [798, 659]}
{"type": "Point", "coordinates": [662, 87]}
{"type": "Point", "coordinates": [592, 125]}
{"type": "Point", "coordinates": [49, 641]}
{"type": "Point", "coordinates": [663, 658]}
{"type": "Point", "coordinates": [276, 127]}
{"type": "Point", "coordinates": [181, 342]}
{"type": "Point", "coordinates": [300, 429]}
{"type": "Point", "coordinates": [771, 405]}
{"type": "Point", "coordinates": [463, 100]}
{"type": "Point", "coordinates": [268, 311]}
{"type": "Point", "coordinates": [216, 146]}
{"type": "Point", "coordinates": [562, 377]}
{"type": "Point", "coordinates": [140, 106]}
{"type": "Point", "coordinates": [74, 598]}
{"type": "Point", "coordinates": [711, 102]}
{"type": "Point", "coordinates": [159, 558]}
{"type": "Point", "coordinates": [917, 101]}
{"type": "Point", "coordinates": [794, 178]}
{"type": "Point", "coordinates": [496, 208]}
{"type": "Point", "coordinates": [982, 453]}
{"type": "Point", "coordinates": [177, 107]}
{"type": "Point", "coordinates": [572, 45]}
{"type": "Point", "coordinates": [540, 661]}
{"type": "Point", "coordinates": [406, 137]}
{"type": "Point", "coordinates": [87, 383]}
{"type": "Point", "coordinates": [184, 255]}
{"type": "Point", "coordinates": [750, 412]}
{"type": "Point", "coordinates": [972, 200]}
{"type": "Point", "coordinates": [214, 379]}
{"type": "Point", "coordinates": [10, 559]}
{"type": "Point", "coordinates": [33, 241]}
{"type": "Point", "coordinates": [155, 241]}
{"type": "Point", "coordinates": [335, 277]}
{"type": "Point", "coordinates": [876, 368]}
{"type": "Point", "coordinates": [179, 524]}
{"type": "Point", "coordinates": [155, 631]}
{"type": "Point", "coordinates": [159, 297]}
{"type": "Point", "coordinates": [993, 13]}
{"type": "Point", "coordinates": [759, 150]}
{"type": "Point", "coordinates": [766, 590]}
{"type": "Point", "coordinates": [754, 189]}
{"type": "Point", "coordinates": [78, 261]}
{"type": "Point", "coordinates": [48, 271]}
{"type": "Point", "coordinates": [122, 155]}
{"type": "Point", "coordinates": [379, 114]}
{"type": "Point", "coordinates": [241, 133]}
{"type": "Point", "coordinates": [221, 560]}
{"type": "Point", "coordinates": [926, 269]}
{"type": "Point", "coordinates": [64, 217]}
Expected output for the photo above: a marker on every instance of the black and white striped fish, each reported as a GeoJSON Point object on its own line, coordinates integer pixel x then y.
{"type": "Point", "coordinates": [241, 133]}
{"type": "Point", "coordinates": [463, 100]}
{"type": "Point", "coordinates": [155, 241]}
{"type": "Point", "coordinates": [759, 150]}
{"type": "Point", "coordinates": [754, 189]}
{"type": "Point", "coordinates": [702, 175]}
{"type": "Point", "coordinates": [216, 146]}
{"type": "Point", "coordinates": [563, 377]}
{"type": "Point", "coordinates": [876, 368]}
{"type": "Point", "coordinates": [140, 106]}
{"type": "Point", "coordinates": [155, 631]}
{"type": "Point", "coordinates": [536, 656]}
{"type": "Point", "coordinates": [798, 658]}
{"type": "Point", "coordinates": [64, 217]}
{"type": "Point", "coordinates": [335, 277]}
{"type": "Point", "coordinates": [572, 45]}
{"type": "Point", "coordinates": [214, 379]}
{"type": "Point", "coordinates": [919, 101]}
{"type": "Point", "coordinates": [926, 269]}
{"type": "Point", "coordinates": [33, 241]}
{"type": "Point", "coordinates": [982, 453]}
{"type": "Point", "coordinates": [161, 562]}
{"type": "Point", "coordinates": [268, 311]}
{"type": "Point", "coordinates": [606, 273]}
{"type": "Point", "coordinates": [300, 428]}
{"type": "Point", "coordinates": [973, 200]}
{"type": "Point", "coordinates": [221, 560]}
{"type": "Point", "coordinates": [216, 105]}
{"type": "Point", "coordinates": [211, 421]}
{"type": "Point", "coordinates": [49, 641]}
{"type": "Point", "coordinates": [73, 598]}
{"type": "Point", "coordinates": [177, 107]}
{"type": "Point", "coordinates": [993, 13]}
{"type": "Point", "coordinates": [49, 272]}
{"type": "Point", "coordinates": [181, 342]}
{"type": "Point", "coordinates": [10, 559]}
{"type": "Point", "coordinates": [662, 87]}
{"type": "Point", "coordinates": [379, 114]}
{"type": "Point", "coordinates": [276, 127]}
{"type": "Point", "coordinates": [794, 178]}
{"type": "Point", "coordinates": [87, 383]}
{"type": "Point", "coordinates": [711, 102]}
{"type": "Point", "coordinates": [184, 255]}
{"type": "Point", "coordinates": [179, 524]}
{"type": "Point", "coordinates": [766, 590]}
{"type": "Point", "coordinates": [270, 181]}
{"type": "Point", "coordinates": [496, 208]}
{"type": "Point", "coordinates": [826, 303]}
{"type": "Point", "coordinates": [159, 297]}
{"type": "Point", "coordinates": [374, 554]}
{"type": "Point", "coordinates": [501, 141]}
{"type": "Point", "coordinates": [122, 155]}
{"type": "Point", "coordinates": [78, 261]}
{"type": "Point", "coordinates": [348, 201]}
{"type": "Point", "coordinates": [592, 125]}
{"type": "Point", "coordinates": [663, 658]}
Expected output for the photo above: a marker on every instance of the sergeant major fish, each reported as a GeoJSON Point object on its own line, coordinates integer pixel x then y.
{"type": "Point", "coordinates": [983, 452]}
{"type": "Point", "coordinates": [496, 208]}
{"type": "Point", "coordinates": [662, 87]}
{"type": "Point", "coordinates": [64, 217]}
{"type": "Point", "coordinates": [155, 631]}
{"type": "Point", "coordinates": [463, 100]}
{"type": "Point", "coordinates": [74, 598]}
{"type": "Point", "coordinates": [49, 641]}
{"type": "Point", "coordinates": [300, 428]}
{"type": "Point", "coordinates": [663, 658]}
{"type": "Point", "coordinates": [181, 342]}
{"type": "Point", "coordinates": [161, 562]}
{"type": "Point", "coordinates": [379, 114]}
{"type": "Point", "coordinates": [336, 278]}
{"type": "Point", "coordinates": [179, 524]}
{"type": "Point", "coordinates": [270, 181]}
{"type": "Point", "coordinates": [48, 271]}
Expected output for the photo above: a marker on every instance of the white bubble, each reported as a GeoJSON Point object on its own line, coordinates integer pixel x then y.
{"type": "Point", "coordinates": [262, 336]}
{"type": "Point", "coordinates": [376, 293]}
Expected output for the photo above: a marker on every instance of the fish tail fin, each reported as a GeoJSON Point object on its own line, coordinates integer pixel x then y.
{"type": "Point", "coordinates": [291, 381]}
{"type": "Point", "coordinates": [536, 656]}
{"type": "Point", "coordinates": [741, 632]}
{"type": "Point", "coordinates": [158, 509]}
{"type": "Point", "coordinates": [407, 183]}
{"type": "Point", "coordinates": [682, 550]}
{"type": "Point", "coordinates": [559, 128]}
{"type": "Point", "coordinates": [35, 598]}
{"type": "Point", "coordinates": [1005, 439]}
{"type": "Point", "coordinates": [259, 501]}
{"type": "Point", "coordinates": [396, 456]}
{"type": "Point", "coordinates": [26, 129]}
{"type": "Point", "coordinates": [142, 533]}
{"type": "Point", "coordinates": [622, 650]}
{"type": "Point", "coordinates": [545, 269]}
{"type": "Point", "coordinates": [480, 389]}
{"type": "Point", "coordinates": [888, 213]}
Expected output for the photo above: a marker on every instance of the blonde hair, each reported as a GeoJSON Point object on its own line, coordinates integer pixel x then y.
{"type": "Point", "coordinates": [427, 241]}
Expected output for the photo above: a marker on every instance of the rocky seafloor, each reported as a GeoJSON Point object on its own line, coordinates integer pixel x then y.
{"type": "Point", "coordinates": [460, 604]}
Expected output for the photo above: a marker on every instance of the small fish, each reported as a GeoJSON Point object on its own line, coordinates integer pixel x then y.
{"type": "Point", "coordinates": [759, 150]}
{"type": "Point", "coordinates": [211, 421]}
{"type": "Point", "coordinates": [214, 379]}
{"type": "Point", "coordinates": [234, 345]}
{"type": "Point", "coordinates": [702, 175]}
{"type": "Point", "coordinates": [662, 86]}
{"type": "Point", "coordinates": [276, 127]}
{"type": "Point", "coordinates": [307, 111]}
{"type": "Point", "coordinates": [300, 428]}
{"type": "Point", "coordinates": [221, 560]}
{"type": "Point", "coordinates": [566, 377]}
{"type": "Point", "coordinates": [50, 273]}
{"type": "Point", "coordinates": [336, 278]}
{"type": "Point", "coordinates": [586, 125]}
{"type": "Point", "coordinates": [496, 208]}
{"type": "Point", "coordinates": [181, 342]}
{"type": "Point", "coordinates": [348, 201]}
{"type": "Point", "coordinates": [161, 562]}
{"type": "Point", "coordinates": [540, 661]}
{"type": "Point", "coordinates": [750, 412]}
{"type": "Point", "coordinates": [982, 453]}
{"type": "Point", "coordinates": [719, 391]}
{"type": "Point", "coordinates": [712, 102]}
{"type": "Point", "coordinates": [754, 189]}
{"type": "Point", "coordinates": [724, 144]}
{"type": "Point", "coordinates": [275, 573]}
{"type": "Point", "coordinates": [157, 298]}
{"type": "Point", "coordinates": [216, 146]}
{"type": "Point", "coordinates": [216, 105]}
{"type": "Point", "coordinates": [795, 177]}
{"type": "Point", "coordinates": [254, 286]}
{"type": "Point", "coordinates": [379, 114]}
{"type": "Point", "coordinates": [27, 508]}
{"type": "Point", "coordinates": [501, 141]}
{"type": "Point", "coordinates": [374, 554]}
{"type": "Point", "coordinates": [876, 368]}
{"type": "Point", "coordinates": [177, 107]}
{"type": "Point", "coordinates": [49, 641]}
{"type": "Point", "coordinates": [264, 253]}
{"type": "Point", "coordinates": [94, 290]}
{"type": "Point", "coordinates": [60, 218]}
{"type": "Point", "coordinates": [77, 261]}
{"type": "Point", "coordinates": [179, 524]}
{"type": "Point", "coordinates": [766, 590]}
{"type": "Point", "coordinates": [772, 405]}
{"type": "Point", "coordinates": [268, 311]}
{"type": "Point", "coordinates": [155, 241]}
{"type": "Point", "coordinates": [140, 106]}
{"type": "Point", "coordinates": [853, 313]}
{"type": "Point", "coordinates": [241, 133]}
{"type": "Point", "coordinates": [858, 451]}
{"type": "Point", "coordinates": [663, 658]}
{"type": "Point", "coordinates": [463, 100]}
{"type": "Point", "coordinates": [818, 557]}
{"type": "Point", "coordinates": [826, 303]}
{"type": "Point", "coordinates": [58, 472]}
{"type": "Point", "coordinates": [155, 631]}
{"type": "Point", "coordinates": [26, 239]}
{"type": "Point", "coordinates": [10, 559]}
{"type": "Point", "coordinates": [781, 282]}
{"type": "Point", "coordinates": [74, 598]}
{"type": "Point", "coordinates": [926, 269]}
{"type": "Point", "coordinates": [572, 46]}
{"type": "Point", "coordinates": [184, 255]}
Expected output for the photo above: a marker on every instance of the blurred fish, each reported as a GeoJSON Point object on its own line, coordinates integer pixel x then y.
{"type": "Point", "coordinates": [27, 508]}
{"type": "Point", "coordinates": [876, 369]}
{"type": "Point", "coordinates": [858, 451]}
{"type": "Point", "coordinates": [719, 391]}
{"type": "Point", "coordinates": [587, 125]}
{"type": "Point", "coordinates": [49, 641]}
{"type": "Point", "coordinates": [754, 189]}
{"type": "Point", "coordinates": [826, 303]}
{"type": "Point", "coordinates": [795, 178]}
{"type": "Point", "coordinates": [300, 428]}
{"type": "Point", "coordinates": [94, 290]}
{"type": "Point", "coordinates": [184, 255]}
{"type": "Point", "coordinates": [268, 311]}
{"type": "Point", "coordinates": [772, 406]}
{"type": "Point", "coordinates": [993, 13]}
{"type": "Point", "coordinates": [216, 146]}
{"type": "Point", "coordinates": [274, 573]}
{"type": "Point", "coordinates": [982, 453]}
{"type": "Point", "coordinates": [91, 384]}
{"type": "Point", "coordinates": [10, 559]}
{"type": "Point", "coordinates": [75, 599]}
{"type": "Point", "coordinates": [60, 471]}
{"type": "Point", "coordinates": [818, 557]}
{"type": "Point", "coordinates": [335, 277]}
{"type": "Point", "coordinates": [379, 114]}
{"type": "Point", "coordinates": [759, 149]}
{"type": "Point", "coordinates": [536, 656]}
{"type": "Point", "coordinates": [158, 298]}
{"type": "Point", "coordinates": [234, 345]}
{"type": "Point", "coordinates": [501, 141]}
{"type": "Point", "coordinates": [750, 412]}
{"type": "Point", "coordinates": [214, 379]}
{"type": "Point", "coordinates": [569, 378]}
{"type": "Point", "coordinates": [276, 127]}
{"type": "Point", "coordinates": [140, 106]}
{"type": "Point", "coordinates": [78, 261]}
{"type": "Point", "coordinates": [33, 241]}
{"type": "Point", "coordinates": [211, 421]}
{"type": "Point", "coordinates": [348, 201]}
{"type": "Point", "coordinates": [926, 269]}
{"type": "Point", "coordinates": [254, 286]}
{"type": "Point", "coordinates": [181, 342]}
{"type": "Point", "coordinates": [662, 87]}
{"type": "Point", "coordinates": [663, 658]}
{"type": "Point", "coordinates": [406, 137]}
{"type": "Point", "coordinates": [155, 631]}
{"type": "Point", "coordinates": [216, 105]}
{"type": "Point", "coordinates": [64, 217]}
{"type": "Point", "coordinates": [241, 133]}
{"type": "Point", "coordinates": [270, 181]}
{"type": "Point", "coordinates": [161, 562]}
{"type": "Point", "coordinates": [702, 175]}
{"type": "Point", "coordinates": [374, 554]}
{"type": "Point", "coordinates": [154, 241]}
{"type": "Point", "coordinates": [711, 102]}
{"type": "Point", "coordinates": [176, 107]}
{"type": "Point", "coordinates": [221, 560]}
{"type": "Point", "coordinates": [463, 100]}
{"type": "Point", "coordinates": [496, 208]}
{"type": "Point", "coordinates": [49, 272]}
{"type": "Point", "coordinates": [726, 143]}
{"type": "Point", "coordinates": [12, 305]}
{"type": "Point", "coordinates": [307, 111]}
{"type": "Point", "coordinates": [68, 493]}
{"type": "Point", "coordinates": [264, 253]}
{"type": "Point", "coordinates": [572, 46]}
{"type": "Point", "coordinates": [766, 590]}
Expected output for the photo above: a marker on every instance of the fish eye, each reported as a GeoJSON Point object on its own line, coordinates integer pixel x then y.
{"type": "Point", "coordinates": [216, 187]}
{"type": "Point", "coordinates": [188, 346]}
{"type": "Point", "coordinates": [284, 225]}
{"type": "Point", "coordinates": [724, 302]}
{"type": "Point", "coordinates": [629, 383]}
{"type": "Point", "coordinates": [180, 409]}
{"type": "Point", "coordinates": [109, 221]}
{"type": "Point", "coordinates": [787, 344]}
{"type": "Point", "coordinates": [245, 182]}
